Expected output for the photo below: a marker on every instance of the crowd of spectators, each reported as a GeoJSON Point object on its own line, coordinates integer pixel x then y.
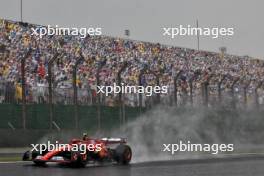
{"type": "Point", "coordinates": [108, 55]}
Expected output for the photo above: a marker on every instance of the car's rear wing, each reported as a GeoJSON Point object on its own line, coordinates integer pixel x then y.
{"type": "Point", "coordinates": [114, 140]}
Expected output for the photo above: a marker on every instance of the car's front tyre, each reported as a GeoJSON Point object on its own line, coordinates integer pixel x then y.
{"type": "Point", "coordinates": [123, 154]}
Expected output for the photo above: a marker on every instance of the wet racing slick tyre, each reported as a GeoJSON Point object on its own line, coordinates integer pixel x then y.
{"type": "Point", "coordinates": [34, 154]}
{"type": "Point", "coordinates": [78, 159]}
{"type": "Point", "coordinates": [123, 154]}
{"type": "Point", "coordinates": [40, 163]}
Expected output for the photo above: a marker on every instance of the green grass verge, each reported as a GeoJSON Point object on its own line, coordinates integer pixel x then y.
{"type": "Point", "coordinates": [10, 158]}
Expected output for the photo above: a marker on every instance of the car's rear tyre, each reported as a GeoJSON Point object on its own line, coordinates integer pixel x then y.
{"type": "Point", "coordinates": [40, 163]}
{"type": "Point", "coordinates": [78, 159]}
{"type": "Point", "coordinates": [123, 154]}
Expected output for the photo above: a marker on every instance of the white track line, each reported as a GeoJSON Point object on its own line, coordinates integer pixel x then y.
{"type": "Point", "coordinates": [13, 162]}
{"type": "Point", "coordinates": [219, 156]}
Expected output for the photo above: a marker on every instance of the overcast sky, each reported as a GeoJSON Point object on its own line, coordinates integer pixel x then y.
{"type": "Point", "coordinates": [146, 18]}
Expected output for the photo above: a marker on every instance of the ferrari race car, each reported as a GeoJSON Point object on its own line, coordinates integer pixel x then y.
{"type": "Point", "coordinates": [113, 150]}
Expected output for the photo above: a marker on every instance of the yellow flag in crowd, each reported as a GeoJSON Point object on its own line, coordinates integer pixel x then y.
{"type": "Point", "coordinates": [10, 26]}
{"type": "Point", "coordinates": [18, 92]}
{"type": "Point", "coordinates": [155, 50]}
{"type": "Point", "coordinates": [141, 47]}
{"type": "Point", "coordinates": [2, 23]}
{"type": "Point", "coordinates": [26, 40]}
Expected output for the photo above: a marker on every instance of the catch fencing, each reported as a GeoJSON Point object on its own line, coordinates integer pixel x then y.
{"type": "Point", "coordinates": [206, 89]}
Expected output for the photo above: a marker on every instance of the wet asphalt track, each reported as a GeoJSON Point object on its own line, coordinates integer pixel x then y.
{"type": "Point", "coordinates": [253, 166]}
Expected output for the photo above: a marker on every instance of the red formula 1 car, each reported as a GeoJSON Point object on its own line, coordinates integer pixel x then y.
{"type": "Point", "coordinates": [96, 150]}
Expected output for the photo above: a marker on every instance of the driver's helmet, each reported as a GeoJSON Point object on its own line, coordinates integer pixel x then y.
{"type": "Point", "coordinates": [85, 136]}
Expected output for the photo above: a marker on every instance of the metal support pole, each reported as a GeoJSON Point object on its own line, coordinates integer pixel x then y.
{"type": "Point", "coordinates": [50, 80]}
{"type": "Point", "coordinates": [158, 84]}
{"type": "Point", "coordinates": [23, 92]}
{"type": "Point", "coordinates": [176, 87]}
{"type": "Point", "coordinates": [245, 93]}
{"type": "Point", "coordinates": [233, 92]}
{"type": "Point", "coordinates": [98, 101]}
{"type": "Point", "coordinates": [219, 88]}
{"type": "Point", "coordinates": [256, 93]}
{"type": "Point", "coordinates": [206, 90]}
{"type": "Point", "coordinates": [21, 10]}
{"type": "Point", "coordinates": [140, 95]}
{"type": "Point", "coordinates": [194, 77]}
{"type": "Point", "coordinates": [198, 36]}
{"type": "Point", "coordinates": [98, 106]}
{"type": "Point", "coordinates": [206, 96]}
{"type": "Point", "coordinates": [191, 91]}
{"type": "Point", "coordinates": [122, 118]}
{"type": "Point", "coordinates": [23, 84]}
{"type": "Point", "coordinates": [75, 91]}
{"type": "Point", "coordinates": [98, 96]}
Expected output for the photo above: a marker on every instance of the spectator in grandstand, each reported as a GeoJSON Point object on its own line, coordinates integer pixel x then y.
{"type": "Point", "coordinates": [111, 54]}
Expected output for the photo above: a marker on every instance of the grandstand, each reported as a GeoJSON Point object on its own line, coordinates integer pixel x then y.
{"type": "Point", "coordinates": [193, 76]}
